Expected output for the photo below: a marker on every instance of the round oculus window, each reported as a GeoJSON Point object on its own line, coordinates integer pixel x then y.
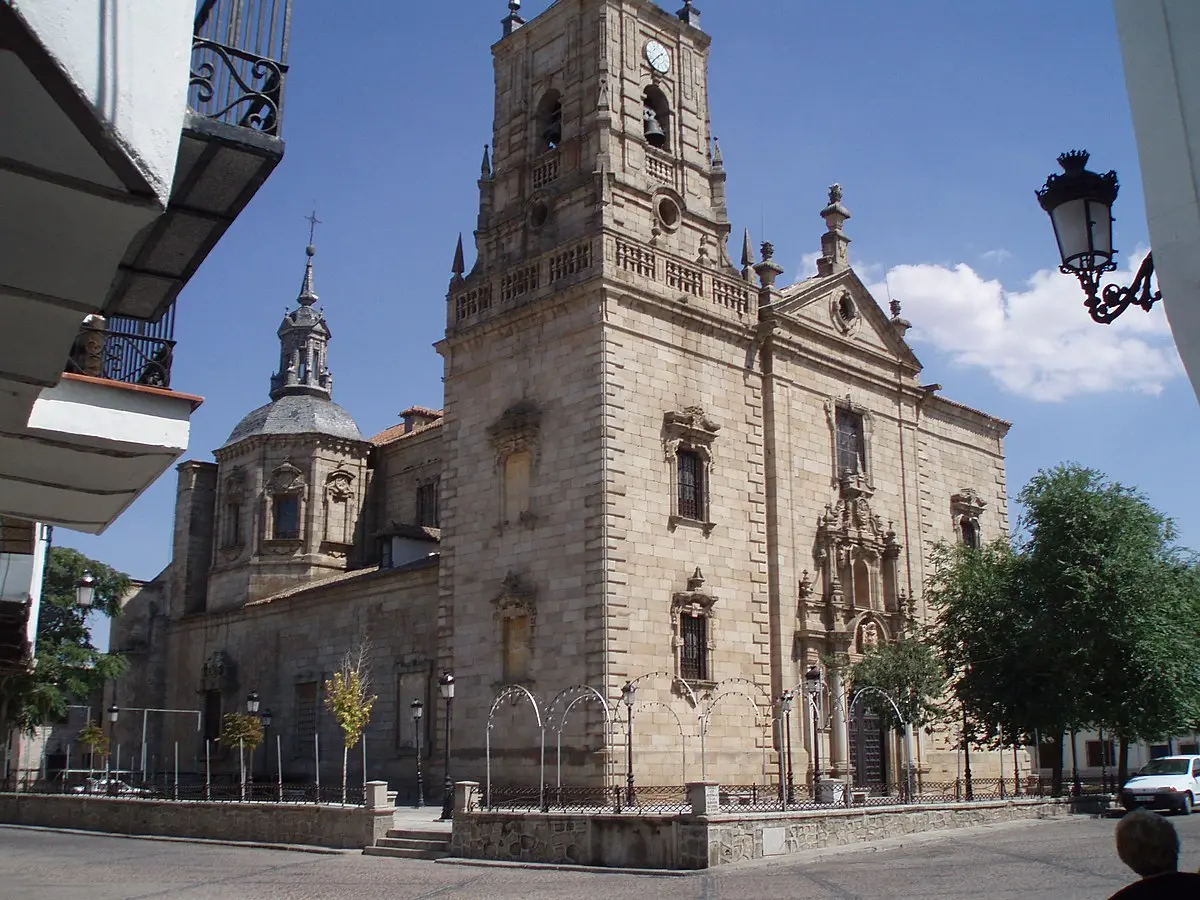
{"type": "Point", "coordinates": [539, 213]}
{"type": "Point", "coordinates": [668, 213]}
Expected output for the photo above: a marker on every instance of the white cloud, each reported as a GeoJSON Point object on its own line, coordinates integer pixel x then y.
{"type": "Point", "coordinates": [1038, 342]}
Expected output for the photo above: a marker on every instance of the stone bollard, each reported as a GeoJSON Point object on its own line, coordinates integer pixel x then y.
{"type": "Point", "coordinates": [704, 797]}
{"type": "Point", "coordinates": [466, 796]}
{"type": "Point", "coordinates": [375, 795]}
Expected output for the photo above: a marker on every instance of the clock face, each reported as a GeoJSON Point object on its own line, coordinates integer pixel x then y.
{"type": "Point", "coordinates": [659, 57]}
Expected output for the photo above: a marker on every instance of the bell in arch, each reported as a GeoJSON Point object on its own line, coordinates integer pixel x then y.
{"type": "Point", "coordinates": [655, 136]}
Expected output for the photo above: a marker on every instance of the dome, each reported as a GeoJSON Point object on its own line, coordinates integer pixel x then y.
{"type": "Point", "coordinates": [297, 414]}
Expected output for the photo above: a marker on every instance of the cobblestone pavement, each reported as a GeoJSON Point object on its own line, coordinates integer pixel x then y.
{"type": "Point", "coordinates": [1071, 859]}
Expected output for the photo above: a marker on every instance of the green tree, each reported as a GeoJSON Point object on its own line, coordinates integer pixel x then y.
{"type": "Point", "coordinates": [348, 696]}
{"type": "Point", "coordinates": [69, 667]}
{"type": "Point", "coordinates": [245, 732]}
{"type": "Point", "coordinates": [911, 673]}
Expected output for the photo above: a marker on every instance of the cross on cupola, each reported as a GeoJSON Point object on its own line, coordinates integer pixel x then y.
{"type": "Point", "coordinates": [304, 338]}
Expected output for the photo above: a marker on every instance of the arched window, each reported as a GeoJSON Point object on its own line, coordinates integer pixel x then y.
{"type": "Point", "coordinates": [656, 119]}
{"type": "Point", "coordinates": [549, 121]}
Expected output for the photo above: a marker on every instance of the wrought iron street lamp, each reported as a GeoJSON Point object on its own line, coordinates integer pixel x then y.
{"type": "Point", "coordinates": [114, 713]}
{"type": "Point", "coordinates": [812, 690]}
{"type": "Point", "coordinates": [266, 719]}
{"type": "Point", "coordinates": [785, 706]}
{"type": "Point", "coordinates": [85, 590]}
{"type": "Point", "coordinates": [418, 711]}
{"type": "Point", "coordinates": [1079, 203]}
{"type": "Point", "coordinates": [446, 686]}
{"type": "Point", "coordinates": [252, 703]}
{"type": "Point", "coordinates": [628, 693]}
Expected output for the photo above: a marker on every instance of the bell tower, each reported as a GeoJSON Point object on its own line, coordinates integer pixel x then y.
{"type": "Point", "coordinates": [601, 122]}
{"type": "Point", "coordinates": [600, 422]}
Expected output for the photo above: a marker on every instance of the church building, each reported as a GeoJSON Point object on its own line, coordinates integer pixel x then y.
{"type": "Point", "coordinates": [656, 469]}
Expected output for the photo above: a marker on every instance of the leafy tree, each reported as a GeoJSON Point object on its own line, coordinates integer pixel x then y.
{"type": "Point", "coordinates": [1102, 567]}
{"type": "Point", "coordinates": [348, 696]}
{"type": "Point", "coordinates": [93, 737]}
{"type": "Point", "coordinates": [1087, 622]}
{"type": "Point", "coordinates": [245, 732]}
{"type": "Point", "coordinates": [911, 673]}
{"type": "Point", "coordinates": [69, 667]}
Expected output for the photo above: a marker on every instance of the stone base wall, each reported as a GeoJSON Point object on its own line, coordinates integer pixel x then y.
{"type": "Point", "coordinates": [319, 826]}
{"type": "Point", "coordinates": [699, 842]}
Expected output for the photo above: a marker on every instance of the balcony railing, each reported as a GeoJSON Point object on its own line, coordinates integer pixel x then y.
{"type": "Point", "coordinates": [239, 62]}
{"type": "Point", "coordinates": [127, 350]}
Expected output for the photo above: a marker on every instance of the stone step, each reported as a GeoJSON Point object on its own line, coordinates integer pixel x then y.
{"type": "Point", "coordinates": [403, 853]}
{"type": "Point", "coordinates": [416, 834]}
{"type": "Point", "coordinates": [412, 844]}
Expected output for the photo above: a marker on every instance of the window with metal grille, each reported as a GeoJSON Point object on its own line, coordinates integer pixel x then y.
{"type": "Point", "coordinates": [691, 484]}
{"type": "Point", "coordinates": [970, 532]}
{"type": "Point", "coordinates": [306, 715]}
{"type": "Point", "coordinates": [851, 448]}
{"type": "Point", "coordinates": [287, 518]}
{"type": "Point", "coordinates": [693, 662]}
{"type": "Point", "coordinates": [427, 504]}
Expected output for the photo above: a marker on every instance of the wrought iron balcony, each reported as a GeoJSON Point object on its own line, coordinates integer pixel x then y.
{"type": "Point", "coordinates": [239, 62]}
{"type": "Point", "coordinates": [127, 350]}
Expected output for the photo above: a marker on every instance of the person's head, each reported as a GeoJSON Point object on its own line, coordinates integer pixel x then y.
{"type": "Point", "coordinates": [1147, 843]}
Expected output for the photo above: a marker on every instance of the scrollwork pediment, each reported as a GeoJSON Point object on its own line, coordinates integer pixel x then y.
{"type": "Point", "coordinates": [967, 502]}
{"type": "Point", "coordinates": [690, 424]}
{"type": "Point", "coordinates": [286, 479]}
{"type": "Point", "coordinates": [340, 485]}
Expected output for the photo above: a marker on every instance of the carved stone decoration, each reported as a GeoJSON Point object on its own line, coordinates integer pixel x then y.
{"type": "Point", "coordinates": [235, 485]}
{"type": "Point", "coordinates": [286, 479]}
{"type": "Point", "coordinates": [967, 502]}
{"type": "Point", "coordinates": [844, 312]}
{"type": "Point", "coordinates": [869, 636]}
{"type": "Point", "coordinates": [340, 485]}
{"type": "Point", "coordinates": [691, 425]}
{"type": "Point", "coordinates": [217, 672]}
{"type": "Point", "coordinates": [856, 555]}
{"type": "Point", "coordinates": [517, 429]}
{"type": "Point", "coordinates": [516, 598]}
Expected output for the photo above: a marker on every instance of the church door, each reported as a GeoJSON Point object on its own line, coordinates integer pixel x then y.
{"type": "Point", "coordinates": [867, 750]}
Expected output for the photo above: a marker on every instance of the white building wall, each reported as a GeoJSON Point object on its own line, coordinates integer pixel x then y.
{"type": "Point", "coordinates": [1162, 73]}
{"type": "Point", "coordinates": [130, 60]}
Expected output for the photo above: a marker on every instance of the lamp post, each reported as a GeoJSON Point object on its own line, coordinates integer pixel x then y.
{"type": "Point", "coordinates": [114, 713]}
{"type": "Point", "coordinates": [628, 693]}
{"type": "Point", "coordinates": [85, 590]}
{"type": "Point", "coordinates": [418, 711]}
{"type": "Point", "coordinates": [785, 706]}
{"type": "Point", "coordinates": [267, 718]}
{"type": "Point", "coordinates": [812, 690]}
{"type": "Point", "coordinates": [252, 709]}
{"type": "Point", "coordinates": [1079, 203]}
{"type": "Point", "coordinates": [446, 686]}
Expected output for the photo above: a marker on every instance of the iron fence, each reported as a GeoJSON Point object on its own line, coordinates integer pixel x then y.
{"type": "Point", "coordinates": [651, 800]}
{"type": "Point", "coordinates": [193, 787]}
{"type": "Point", "coordinates": [239, 62]}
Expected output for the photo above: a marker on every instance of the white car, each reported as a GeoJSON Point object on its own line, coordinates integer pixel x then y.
{"type": "Point", "coordinates": [1170, 782]}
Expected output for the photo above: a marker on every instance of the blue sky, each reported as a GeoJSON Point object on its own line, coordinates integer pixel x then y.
{"type": "Point", "coordinates": [939, 117]}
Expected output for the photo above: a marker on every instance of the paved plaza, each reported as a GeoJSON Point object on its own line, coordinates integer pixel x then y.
{"type": "Point", "coordinates": [1071, 859]}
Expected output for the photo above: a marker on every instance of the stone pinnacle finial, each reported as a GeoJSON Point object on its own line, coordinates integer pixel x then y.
{"type": "Point", "coordinates": [689, 14]}
{"type": "Point", "coordinates": [747, 251]}
{"type": "Point", "coordinates": [696, 581]}
{"type": "Point", "coordinates": [768, 270]}
{"type": "Point", "coordinates": [835, 246]}
{"type": "Point", "coordinates": [513, 21]}
{"type": "Point", "coordinates": [899, 323]}
{"type": "Point", "coordinates": [485, 169]}
{"type": "Point", "coordinates": [460, 265]}
{"type": "Point", "coordinates": [718, 161]}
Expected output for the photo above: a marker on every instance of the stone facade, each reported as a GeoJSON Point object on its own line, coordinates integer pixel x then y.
{"type": "Point", "coordinates": [653, 466]}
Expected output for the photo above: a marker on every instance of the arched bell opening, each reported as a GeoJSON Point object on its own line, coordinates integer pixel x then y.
{"type": "Point", "coordinates": [656, 119]}
{"type": "Point", "coordinates": [549, 122]}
